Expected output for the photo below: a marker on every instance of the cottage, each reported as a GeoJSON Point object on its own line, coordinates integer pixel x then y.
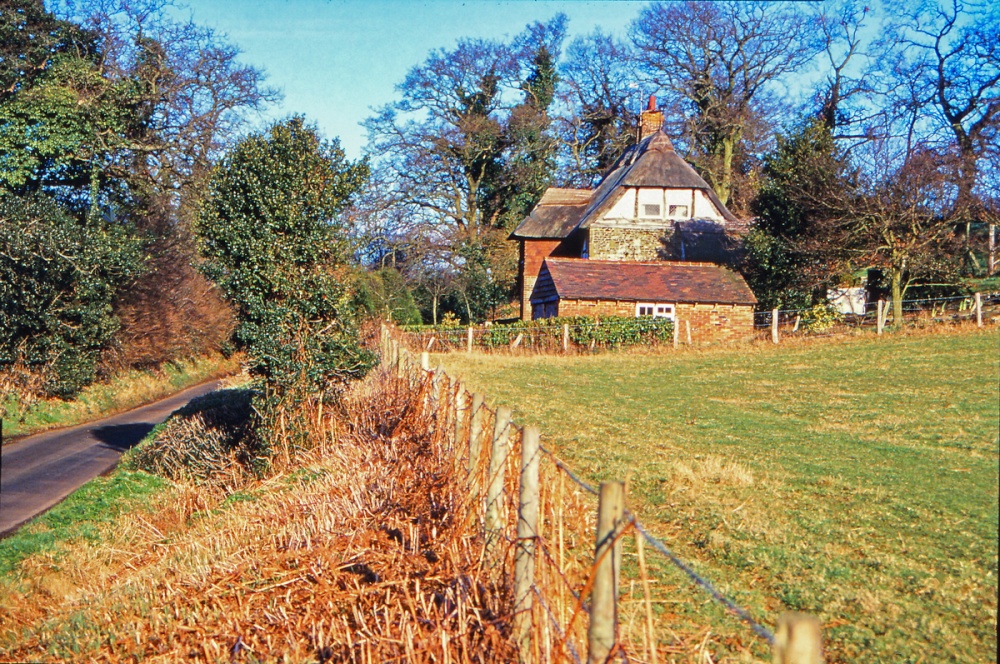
{"type": "Point", "coordinates": [649, 240]}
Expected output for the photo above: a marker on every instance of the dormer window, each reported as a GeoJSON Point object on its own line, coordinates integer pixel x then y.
{"type": "Point", "coordinates": [678, 211]}
{"type": "Point", "coordinates": [651, 210]}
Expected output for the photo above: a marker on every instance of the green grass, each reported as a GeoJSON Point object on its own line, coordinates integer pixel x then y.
{"type": "Point", "coordinates": [116, 395]}
{"type": "Point", "coordinates": [854, 480]}
{"type": "Point", "coordinates": [80, 516]}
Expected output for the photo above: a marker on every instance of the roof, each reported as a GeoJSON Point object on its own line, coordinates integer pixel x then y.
{"type": "Point", "coordinates": [650, 163]}
{"type": "Point", "coordinates": [556, 214]}
{"type": "Point", "coordinates": [659, 281]}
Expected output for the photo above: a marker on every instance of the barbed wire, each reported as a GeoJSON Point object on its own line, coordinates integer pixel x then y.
{"type": "Point", "coordinates": [986, 298]}
{"type": "Point", "coordinates": [706, 585]}
{"type": "Point", "coordinates": [566, 469]}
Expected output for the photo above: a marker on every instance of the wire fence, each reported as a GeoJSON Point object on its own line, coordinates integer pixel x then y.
{"type": "Point", "coordinates": [917, 312]}
{"type": "Point", "coordinates": [560, 541]}
{"type": "Point", "coordinates": [596, 336]}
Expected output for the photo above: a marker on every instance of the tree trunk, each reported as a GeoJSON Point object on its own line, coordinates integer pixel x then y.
{"type": "Point", "coordinates": [434, 308]}
{"type": "Point", "coordinates": [726, 186]}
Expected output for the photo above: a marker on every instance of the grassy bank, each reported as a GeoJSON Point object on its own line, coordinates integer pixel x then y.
{"type": "Point", "coordinates": [351, 553]}
{"type": "Point", "coordinates": [80, 517]}
{"type": "Point", "coordinates": [855, 480]}
{"type": "Point", "coordinates": [119, 394]}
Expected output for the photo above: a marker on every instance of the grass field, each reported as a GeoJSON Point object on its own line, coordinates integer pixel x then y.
{"type": "Point", "coordinates": [856, 480]}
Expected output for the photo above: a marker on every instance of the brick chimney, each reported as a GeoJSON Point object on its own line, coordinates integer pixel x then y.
{"type": "Point", "coordinates": [650, 120]}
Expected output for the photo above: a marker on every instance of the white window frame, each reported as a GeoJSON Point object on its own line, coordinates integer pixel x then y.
{"type": "Point", "coordinates": [658, 310]}
{"type": "Point", "coordinates": [675, 215]}
{"type": "Point", "coordinates": [646, 215]}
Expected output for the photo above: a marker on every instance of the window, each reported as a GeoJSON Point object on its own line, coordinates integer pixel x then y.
{"type": "Point", "coordinates": [651, 210]}
{"type": "Point", "coordinates": [654, 310]}
{"type": "Point", "coordinates": [679, 211]}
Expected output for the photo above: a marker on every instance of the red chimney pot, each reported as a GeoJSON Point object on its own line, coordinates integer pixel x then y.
{"type": "Point", "coordinates": [652, 103]}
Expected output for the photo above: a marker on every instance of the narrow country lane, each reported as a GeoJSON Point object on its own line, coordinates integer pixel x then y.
{"type": "Point", "coordinates": [38, 471]}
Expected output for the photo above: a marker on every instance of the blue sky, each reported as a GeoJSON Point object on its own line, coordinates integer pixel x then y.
{"type": "Point", "coordinates": [336, 59]}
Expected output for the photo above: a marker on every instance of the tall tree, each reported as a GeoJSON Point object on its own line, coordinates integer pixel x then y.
{"type": "Point", "coordinates": [599, 96]}
{"type": "Point", "coordinates": [804, 167]}
{"type": "Point", "coordinates": [468, 150]}
{"type": "Point", "coordinates": [949, 68]}
{"type": "Point", "coordinates": [895, 214]}
{"type": "Point", "coordinates": [721, 62]}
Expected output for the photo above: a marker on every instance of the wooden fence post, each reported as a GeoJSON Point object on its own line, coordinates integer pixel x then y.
{"type": "Point", "coordinates": [797, 640]}
{"type": "Point", "coordinates": [478, 414]}
{"type": "Point", "coordinates": [774, 326]}
{"type": "Point", "coordinates": [677, 328]}
{"type": "Point", "coordinates": [425, 361]}
{"type": "Point", "coordinates": [565, 337]}
{"type": "Point", "coordinates": [468, 340]}
{"type": "Point", "coordinates": [517, 340]}
{"type": "Point", "coordinates": [527, 528]}
{"type": "Point", "coordinates": [879, 319]}
{"type": "Point", "coordinates": [979, 309]}
{"type": "Point", "coordinates": [461, 404]}
{"type": "Point", "coordinates": [494, 489]}
{"type": "Point", "coordinates": [603, 632]}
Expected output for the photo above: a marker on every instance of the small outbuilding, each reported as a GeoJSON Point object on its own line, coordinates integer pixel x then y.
{"type": "Point", "coordinates": [713, 300]}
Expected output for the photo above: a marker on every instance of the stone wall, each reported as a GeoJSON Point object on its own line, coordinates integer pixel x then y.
{"type": "Point", "coordinates": [627, 244]}
{"type": "Point", "coordinates": [709, 322]}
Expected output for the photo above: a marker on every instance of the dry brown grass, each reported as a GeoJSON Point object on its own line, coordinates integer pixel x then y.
{"type": "Point", "coordinates": [353, 553]}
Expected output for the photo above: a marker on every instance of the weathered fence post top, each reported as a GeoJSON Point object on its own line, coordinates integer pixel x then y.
{"type": "Point", "coordinates": [797, 640]}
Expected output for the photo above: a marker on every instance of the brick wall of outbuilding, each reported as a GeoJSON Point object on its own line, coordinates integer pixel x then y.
{"type": "Point", "coordinates": [709, 322]}
{"type": "Point", "coordinates": [716, 322]}
{"type": "Point", "coordinates": [533, 253]}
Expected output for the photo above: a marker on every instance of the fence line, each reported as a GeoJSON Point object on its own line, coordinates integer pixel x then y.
{"type": "Point", "coordinates": [535, 530]}
{"type": "Point", "coordinates": [774, 324]}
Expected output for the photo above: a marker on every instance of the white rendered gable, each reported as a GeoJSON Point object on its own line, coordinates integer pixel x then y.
{"type": "Point", "coordinates": [652, 205]}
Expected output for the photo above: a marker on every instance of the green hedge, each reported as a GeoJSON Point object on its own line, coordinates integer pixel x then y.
{"type": "Point", "coordinates": [611, 331]}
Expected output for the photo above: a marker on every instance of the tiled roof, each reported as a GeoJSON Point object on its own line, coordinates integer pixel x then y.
{"type": "Point", "coordinates": [659, 281]}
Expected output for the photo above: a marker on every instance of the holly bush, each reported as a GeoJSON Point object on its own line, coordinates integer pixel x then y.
{"type": "Point", "coordinates": [273, 240]}
{"type": "Point", "coordinates": [58, 279]}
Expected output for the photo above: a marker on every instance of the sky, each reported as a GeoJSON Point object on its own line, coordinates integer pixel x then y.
{"type": "Point", "coordinates": [336, 60]}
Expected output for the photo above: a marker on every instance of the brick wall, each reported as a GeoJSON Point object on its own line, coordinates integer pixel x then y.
{"type": "Point", "coordinates": [596, 308]}
{"type": "Point", "coordinates": [715, 322]}
{"type": "Point", "coordinates": [533, 253]}
{"type": "Point", "coordinates": [709, 322]}
{"type": "Point", "coordinates": [627, 244]}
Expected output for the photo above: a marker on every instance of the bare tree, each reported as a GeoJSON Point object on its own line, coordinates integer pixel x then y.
{"type": "Point", "coordinates": [469, 153]}
{"type": "Point", "coordinates": [949, 75]}
{"type": "Point", "coordinates": [720, 62]}
{"type": "Point", "coordinates": [895, 215]}
{"type": "Point", "coordinates": [848, 98]}
{"type": "Point", "coordinates": [600, 97]}
{"type": "Point", "coordinates": [196, 95]}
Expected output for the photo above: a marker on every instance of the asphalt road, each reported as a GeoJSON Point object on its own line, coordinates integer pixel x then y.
{"type": "Point", "coordinates": [38, 471]}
